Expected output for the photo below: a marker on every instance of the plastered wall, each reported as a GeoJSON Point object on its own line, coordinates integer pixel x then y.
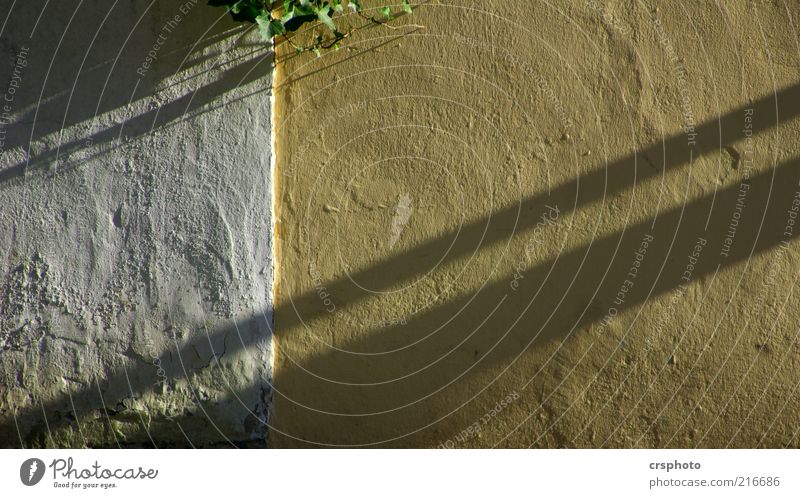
{"type": "Point", "coordinates": [135, 226]}
{"type": "Point", "coordinates": [542, 224]}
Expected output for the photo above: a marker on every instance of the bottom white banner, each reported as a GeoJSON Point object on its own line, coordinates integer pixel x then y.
{"type": "Point", "coordinates": [372, 473]}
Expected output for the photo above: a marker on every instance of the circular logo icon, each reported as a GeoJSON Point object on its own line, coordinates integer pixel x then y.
{"type": "Point", "coordinates": [31, 471]}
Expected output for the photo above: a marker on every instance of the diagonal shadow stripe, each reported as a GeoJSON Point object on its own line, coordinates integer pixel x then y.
{"type": "Point", "coordinates": [517, 219]}
{"type": "Point", "coordinates": [402, 391]}
{"type": "Point", "coordinates": [175, 111]}
{"type": "Point", "coordinates": [208, 351]}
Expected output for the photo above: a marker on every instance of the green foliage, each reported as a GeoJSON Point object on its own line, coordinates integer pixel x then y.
{"type": "Point", "coordinates": [275, 18]}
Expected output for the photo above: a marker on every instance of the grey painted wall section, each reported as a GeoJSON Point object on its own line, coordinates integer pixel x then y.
{"type": "Point", "coordinates": [135, 226]}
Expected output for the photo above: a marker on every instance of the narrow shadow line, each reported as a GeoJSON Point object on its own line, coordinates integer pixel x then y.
{"type": "Point", "coordinates": [62, 103]}
{"type": "Point", "coordinates": [368, 25]}
{"type": "Point", "coordinates": [145, 123]}
{"type": "Point", "coordinates": [360, 53]}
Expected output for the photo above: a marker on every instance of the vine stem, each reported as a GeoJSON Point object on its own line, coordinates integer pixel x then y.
{"type": "Point", "coordinates": [338, 36]}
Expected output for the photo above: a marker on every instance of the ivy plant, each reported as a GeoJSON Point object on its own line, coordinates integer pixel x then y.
{"type": "Point", "coordinates": [275, 18]}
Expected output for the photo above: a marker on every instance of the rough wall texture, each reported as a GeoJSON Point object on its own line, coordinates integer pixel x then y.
{"type": "Point", "coordinates": [135, 226]}
{"type": "Point", "coordinates": [543, 223]}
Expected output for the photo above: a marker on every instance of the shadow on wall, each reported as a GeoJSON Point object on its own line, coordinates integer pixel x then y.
{"type": "Point", "coordinates": [107, 79]}
{"type": "Point", "coordinates": [405, 397]}
{"type": "Point", "coordinates": [94, 77]}
{"type": "Point", "coordinates": [110, 391]}
{"type": "Point", "coordinates": [452, 341]}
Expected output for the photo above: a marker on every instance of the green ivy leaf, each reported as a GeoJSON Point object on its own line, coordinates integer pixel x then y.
{"type": "Point", "coordinates": [323, 14]}
{"type": "Point", "coordinates": [297, 13]}
{"type": "Point", "coordinates": [269, 27]}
